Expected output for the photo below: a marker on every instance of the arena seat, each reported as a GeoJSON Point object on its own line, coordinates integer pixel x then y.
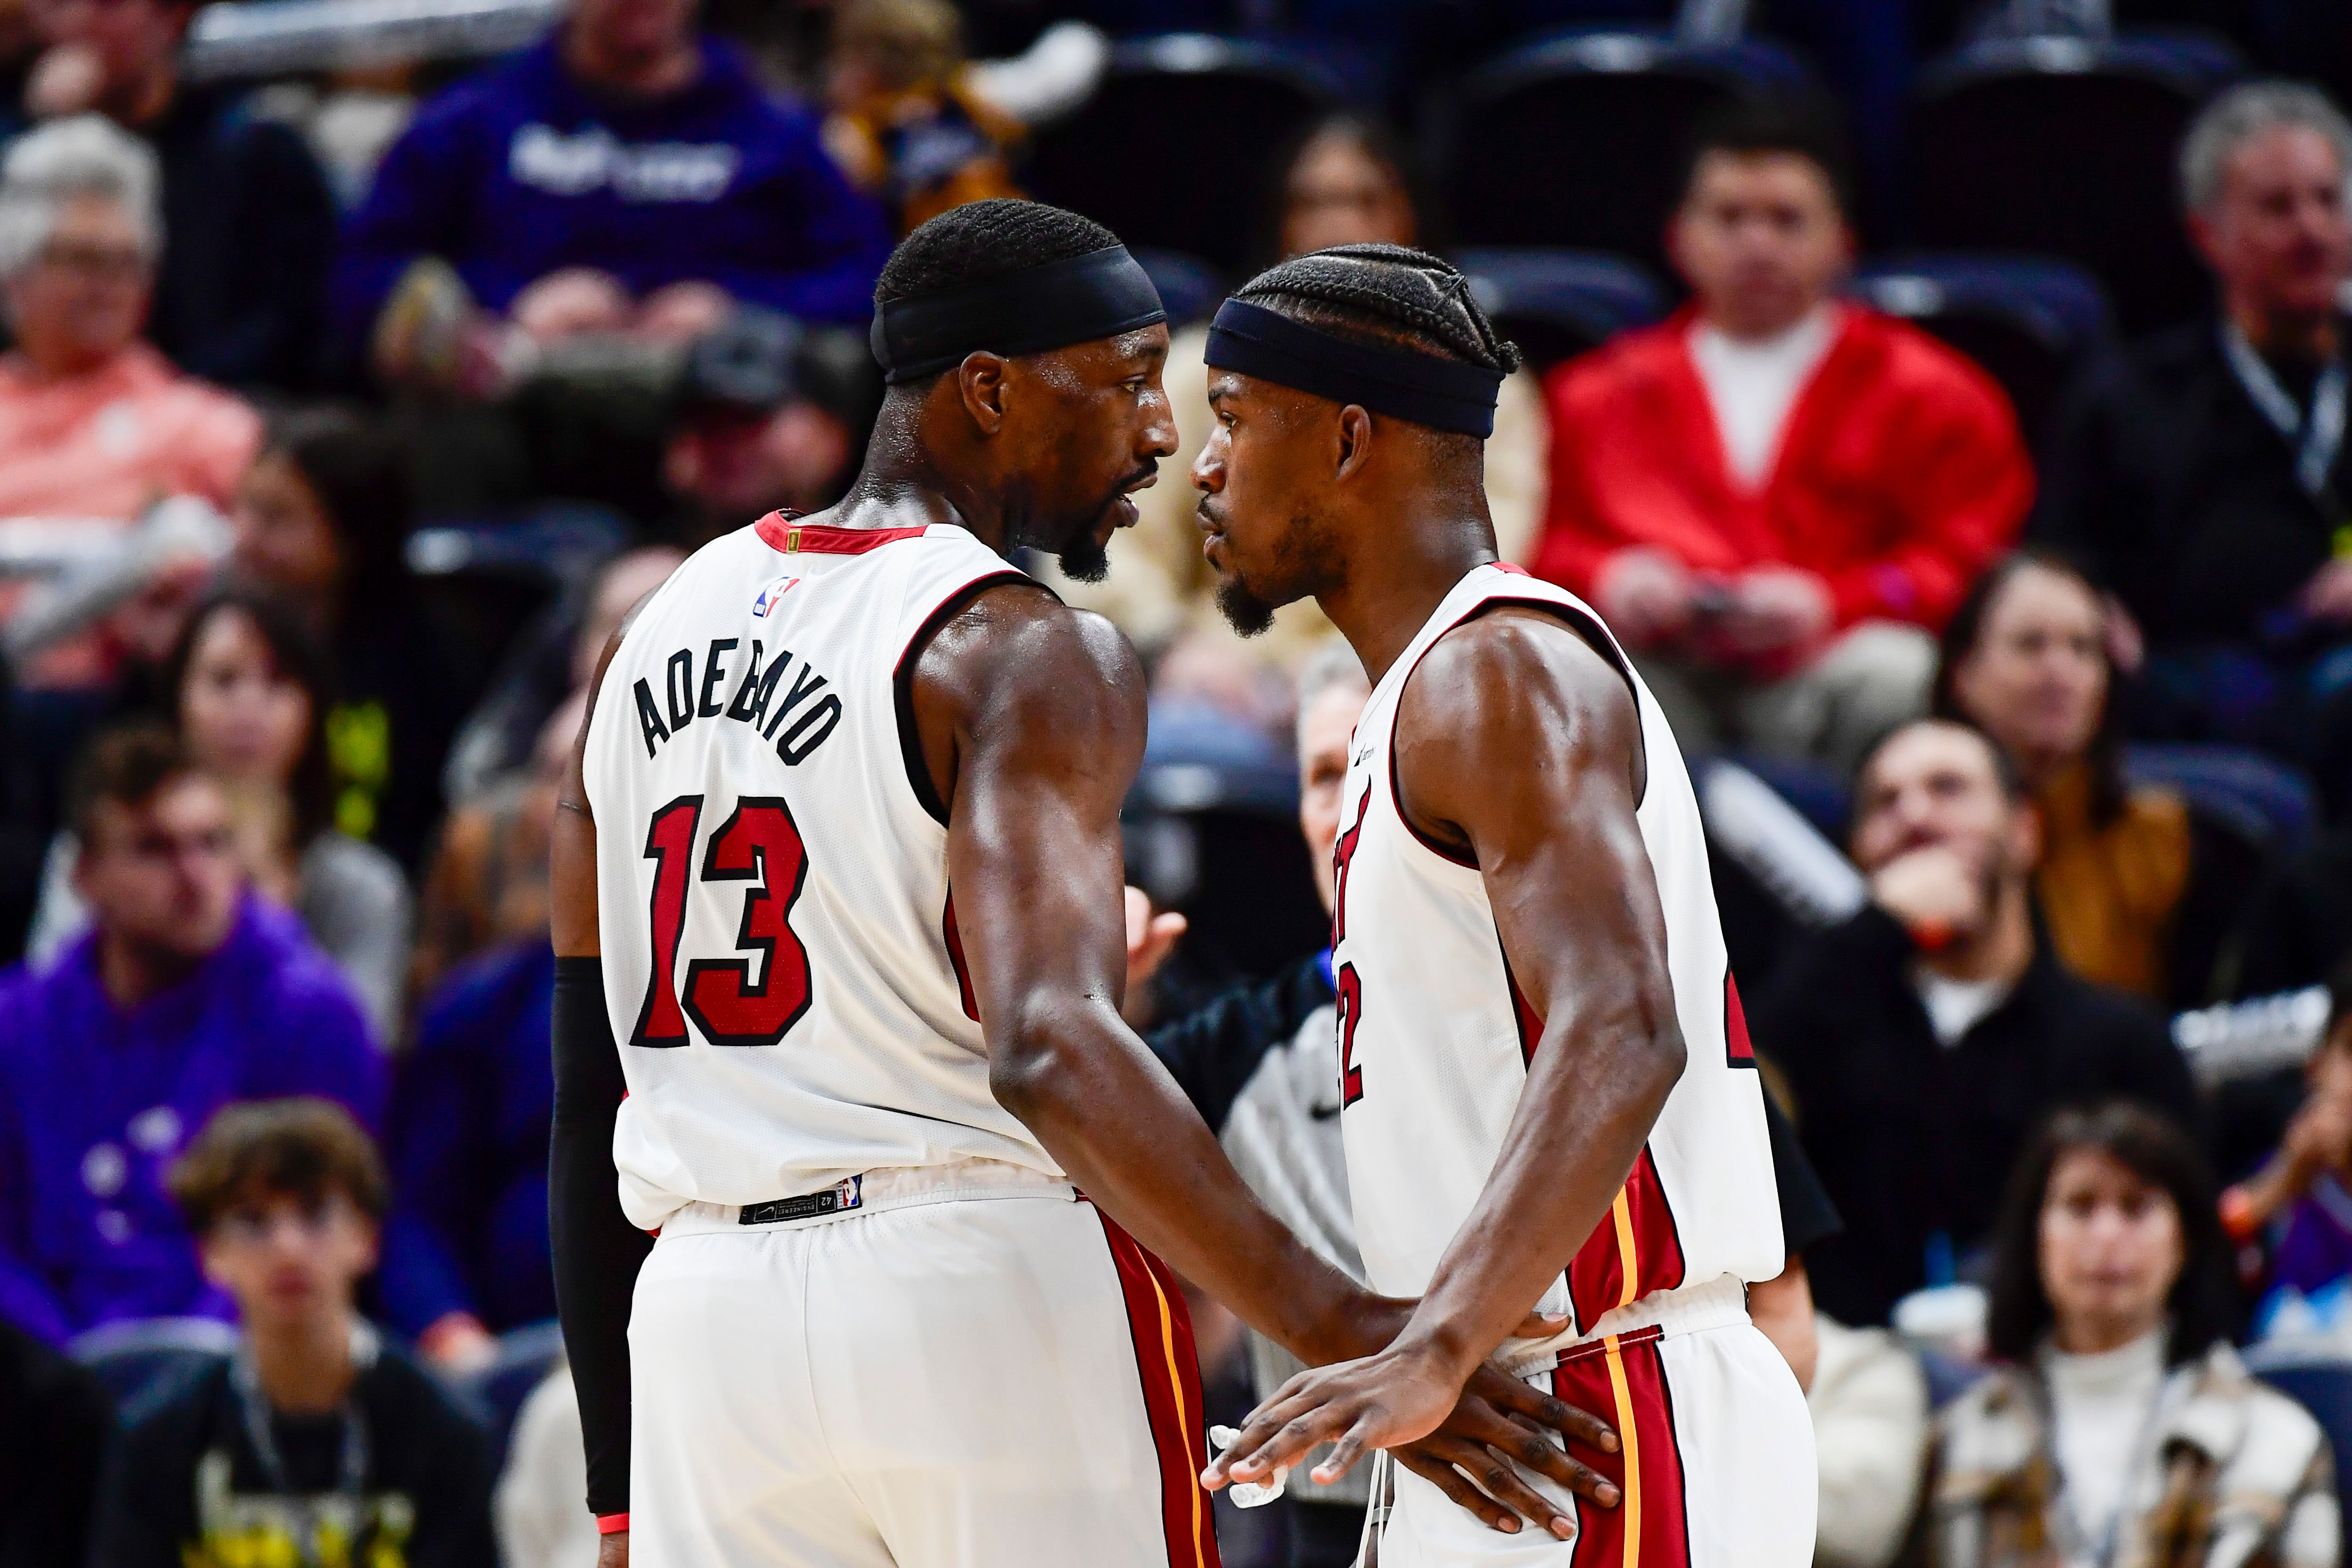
{"type": "Point", "coordinates": [2317, 1376]}
{"type": "Point", "coordinates": [136, 1356]}
{"type": "Point", "coordinates": [2028, 321]}
{"type": "Point", "coordinates": [1577, 142]}
{"type": "Point", "coordinates": [1557, 304]}
{"type": "Point", "coordinates": [2266, 797]}
{"type": "Point", "coordinates": [1143, 157]}
{"type": "Point", "coordinates": [2067, 147]}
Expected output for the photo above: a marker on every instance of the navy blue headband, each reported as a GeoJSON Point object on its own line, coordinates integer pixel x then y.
{"type": "Point", "coordinates": [1098, 295]}
{"type": "Point", "coordinates": [1443, 393]}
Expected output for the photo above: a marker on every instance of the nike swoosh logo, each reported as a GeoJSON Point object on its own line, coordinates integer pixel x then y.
{"type": "Point", "coordinates": [1323, 1112]}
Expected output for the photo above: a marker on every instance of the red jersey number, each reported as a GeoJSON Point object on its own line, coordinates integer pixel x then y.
{"type": "Point", "coordinates": [758, 843]}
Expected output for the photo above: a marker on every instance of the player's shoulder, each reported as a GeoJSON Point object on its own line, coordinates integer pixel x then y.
{"type": "Point", "coordinates": [1508, 650]}
{"type": "Point", "coordinates": [1021, 630]}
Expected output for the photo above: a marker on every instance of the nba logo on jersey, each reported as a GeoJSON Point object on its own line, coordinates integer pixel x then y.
{"type": "Point", "coordinates": [770, 595]}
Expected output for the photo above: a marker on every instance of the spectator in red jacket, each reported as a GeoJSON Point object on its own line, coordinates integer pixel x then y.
{"type": "Point", "coordinates": [1776, 496]}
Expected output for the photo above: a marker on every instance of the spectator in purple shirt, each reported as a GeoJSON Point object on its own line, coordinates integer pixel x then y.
{"type": "Point", "coordinates": [628, 176]}
{"type": "Point", "coordinates": [187, 993]}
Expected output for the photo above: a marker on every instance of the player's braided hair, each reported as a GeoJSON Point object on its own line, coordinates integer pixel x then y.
{"type": "Point", "coordinates": [1385, 294]}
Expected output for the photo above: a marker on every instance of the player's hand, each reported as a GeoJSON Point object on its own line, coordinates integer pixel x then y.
{"type": "Point", "coordinates": [1500, 1426]}
{"type": "Point", "coordinates": [1391, 1398]}
{"type": "Point", "coordinates": [612, 1550]}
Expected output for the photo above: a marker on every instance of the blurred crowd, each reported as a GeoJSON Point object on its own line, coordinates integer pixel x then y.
{"type": "Point", "coordinates": [344, 414]}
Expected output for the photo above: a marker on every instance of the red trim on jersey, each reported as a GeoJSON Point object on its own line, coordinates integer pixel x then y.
{"type": "Point", "coordinates": [1171, 1375]}
{"type": "Point", "coordinates": [611, 1524]}
{"type": "Point", "coordinates": [1641, 1223]}
{"type": "Point", "coordinates": [1624, 1379]}
{"type": "Point", "coordinates": [955, 959]}
{"type": "Point", "coordinates": [1738, 1049]}
{"type": "Point", "coordinates": [1584, 624]}
{"type": "Point", "coordinates": [784, 532]}
{"type": "Point", "coordinates": [1531, 1023]}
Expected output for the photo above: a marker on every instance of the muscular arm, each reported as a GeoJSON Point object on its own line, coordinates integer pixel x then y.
{"type": "Point", "coordinates": [1519, 743]}
{"type": "Point", "coordinates": [1031, 716]}
{"type": "Point", "coordinates": [597, 1252]}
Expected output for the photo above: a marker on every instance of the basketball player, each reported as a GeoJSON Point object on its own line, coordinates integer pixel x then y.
{"type": "Point", "coordinates": [837, 906]}
{"type": "Point", "coordinates": [1542, 1059]}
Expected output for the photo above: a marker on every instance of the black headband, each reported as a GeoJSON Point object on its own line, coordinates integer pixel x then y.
{"type": "Point", "coordinates": [1443, 393]}
{"type": "Point", "coordinates": [1098, 295]}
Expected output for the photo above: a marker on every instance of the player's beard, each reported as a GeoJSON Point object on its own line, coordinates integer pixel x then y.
{"type": "Point", "coordinates": [1243, 611]}
{"type": "Point", "coordinates": [1083, 558]}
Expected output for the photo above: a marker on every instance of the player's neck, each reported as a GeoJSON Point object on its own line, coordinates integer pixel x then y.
{"type": "Point", "coordinates": [1392, 582]}
{"type": "Point", "coordinates": [901, 486]}
{"type": "Point", "coordinates": [304, 1366]}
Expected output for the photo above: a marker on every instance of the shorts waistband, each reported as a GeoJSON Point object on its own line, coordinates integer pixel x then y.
{"type": "Point", "coordinates": [873, 1192]}
{"type": "Point", "coordinates": [1720, 1302]}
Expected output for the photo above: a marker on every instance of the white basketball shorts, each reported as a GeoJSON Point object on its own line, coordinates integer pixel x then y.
{"type": "Point", "coordinates": [1716, 1469]}
{"type": "Point", "coordinates": [973, 1371]}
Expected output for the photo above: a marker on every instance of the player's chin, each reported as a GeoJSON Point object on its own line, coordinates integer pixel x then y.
{"type": "Point", "coordinates": [1245, 609]}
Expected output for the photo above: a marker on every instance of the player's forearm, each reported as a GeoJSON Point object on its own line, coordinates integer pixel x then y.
{"type": "Point", "coordinates": [1112, 1116]}
{"type": "Point", "coordinates": [1580, 1126]}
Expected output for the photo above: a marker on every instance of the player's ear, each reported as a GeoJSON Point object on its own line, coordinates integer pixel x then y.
{"type": "Point", "coordinates": [980, 382]}
{"type": "Point", "coordinates": [1353, 448]}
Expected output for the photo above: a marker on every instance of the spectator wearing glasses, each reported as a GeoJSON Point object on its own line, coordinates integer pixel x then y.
{"type": "Point", "coordinates": [1777, 496]}
{"type": "Point", "coordinates": [93, 422]}
{"type": "Point", "coordinates": [185, 993]}
{"type": "Point", "coordinates": [2122, 1428]}
{"type": "Point", "coordinates": [1924, 1037]}
{"type": "Point", "coordinates": [628, 176]}
{"type": "Point", "coordinates": [2203, 475]}
{"type": "Point", "coordinates": [240, 293]}
{"type": "Point", "coordinates": [316, 1442]}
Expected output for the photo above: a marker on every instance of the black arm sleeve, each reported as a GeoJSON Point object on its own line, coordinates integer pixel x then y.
{"type": "Point", "coordinates": [597, 1251]}
{"type": "Point", "coordinates": [1807, 1216]}
{"type": "Point", "coordinates": [1211, 1052]}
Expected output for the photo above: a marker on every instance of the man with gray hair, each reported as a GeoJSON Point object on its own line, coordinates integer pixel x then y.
{"type": "Point", "coordinates": [2202, 474]}
{"type": "Point", "coordinates": [94, 423]}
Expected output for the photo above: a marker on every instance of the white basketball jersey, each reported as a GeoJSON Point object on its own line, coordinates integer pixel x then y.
{"type": "Point", "coordinates": [780, 956]}
{"type": "Point", "coordinates": [1435, 1038]}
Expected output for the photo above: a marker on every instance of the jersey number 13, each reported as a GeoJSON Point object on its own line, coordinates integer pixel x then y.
{"type": "Point", "coordinates": [758, 845]}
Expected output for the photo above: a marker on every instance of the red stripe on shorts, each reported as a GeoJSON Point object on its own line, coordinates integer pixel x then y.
{"type": "Point", "coordinates": [1170, 1373]}
{"type": "Point", "coordinates": [1623, 1379]}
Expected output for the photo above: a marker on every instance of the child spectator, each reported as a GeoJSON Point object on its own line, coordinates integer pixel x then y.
{"type": "Point", "coordinates": [317, 1442]}
{"type": "Point", "coordinates": [185, 994]}
{"type": "Point", "coordinates": [2309, 1180]}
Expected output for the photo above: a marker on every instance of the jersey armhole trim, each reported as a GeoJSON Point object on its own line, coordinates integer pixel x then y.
{"type": "Point", "coordinates": [902, 683]}
{"type": "Point", "coordinates": [1587, 629]}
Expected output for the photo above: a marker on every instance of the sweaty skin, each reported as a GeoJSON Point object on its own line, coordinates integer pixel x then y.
{"type": "Point", "coordinates": [1031, 718]}
{"type": "Point", "coordinates": [1517, 741]}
